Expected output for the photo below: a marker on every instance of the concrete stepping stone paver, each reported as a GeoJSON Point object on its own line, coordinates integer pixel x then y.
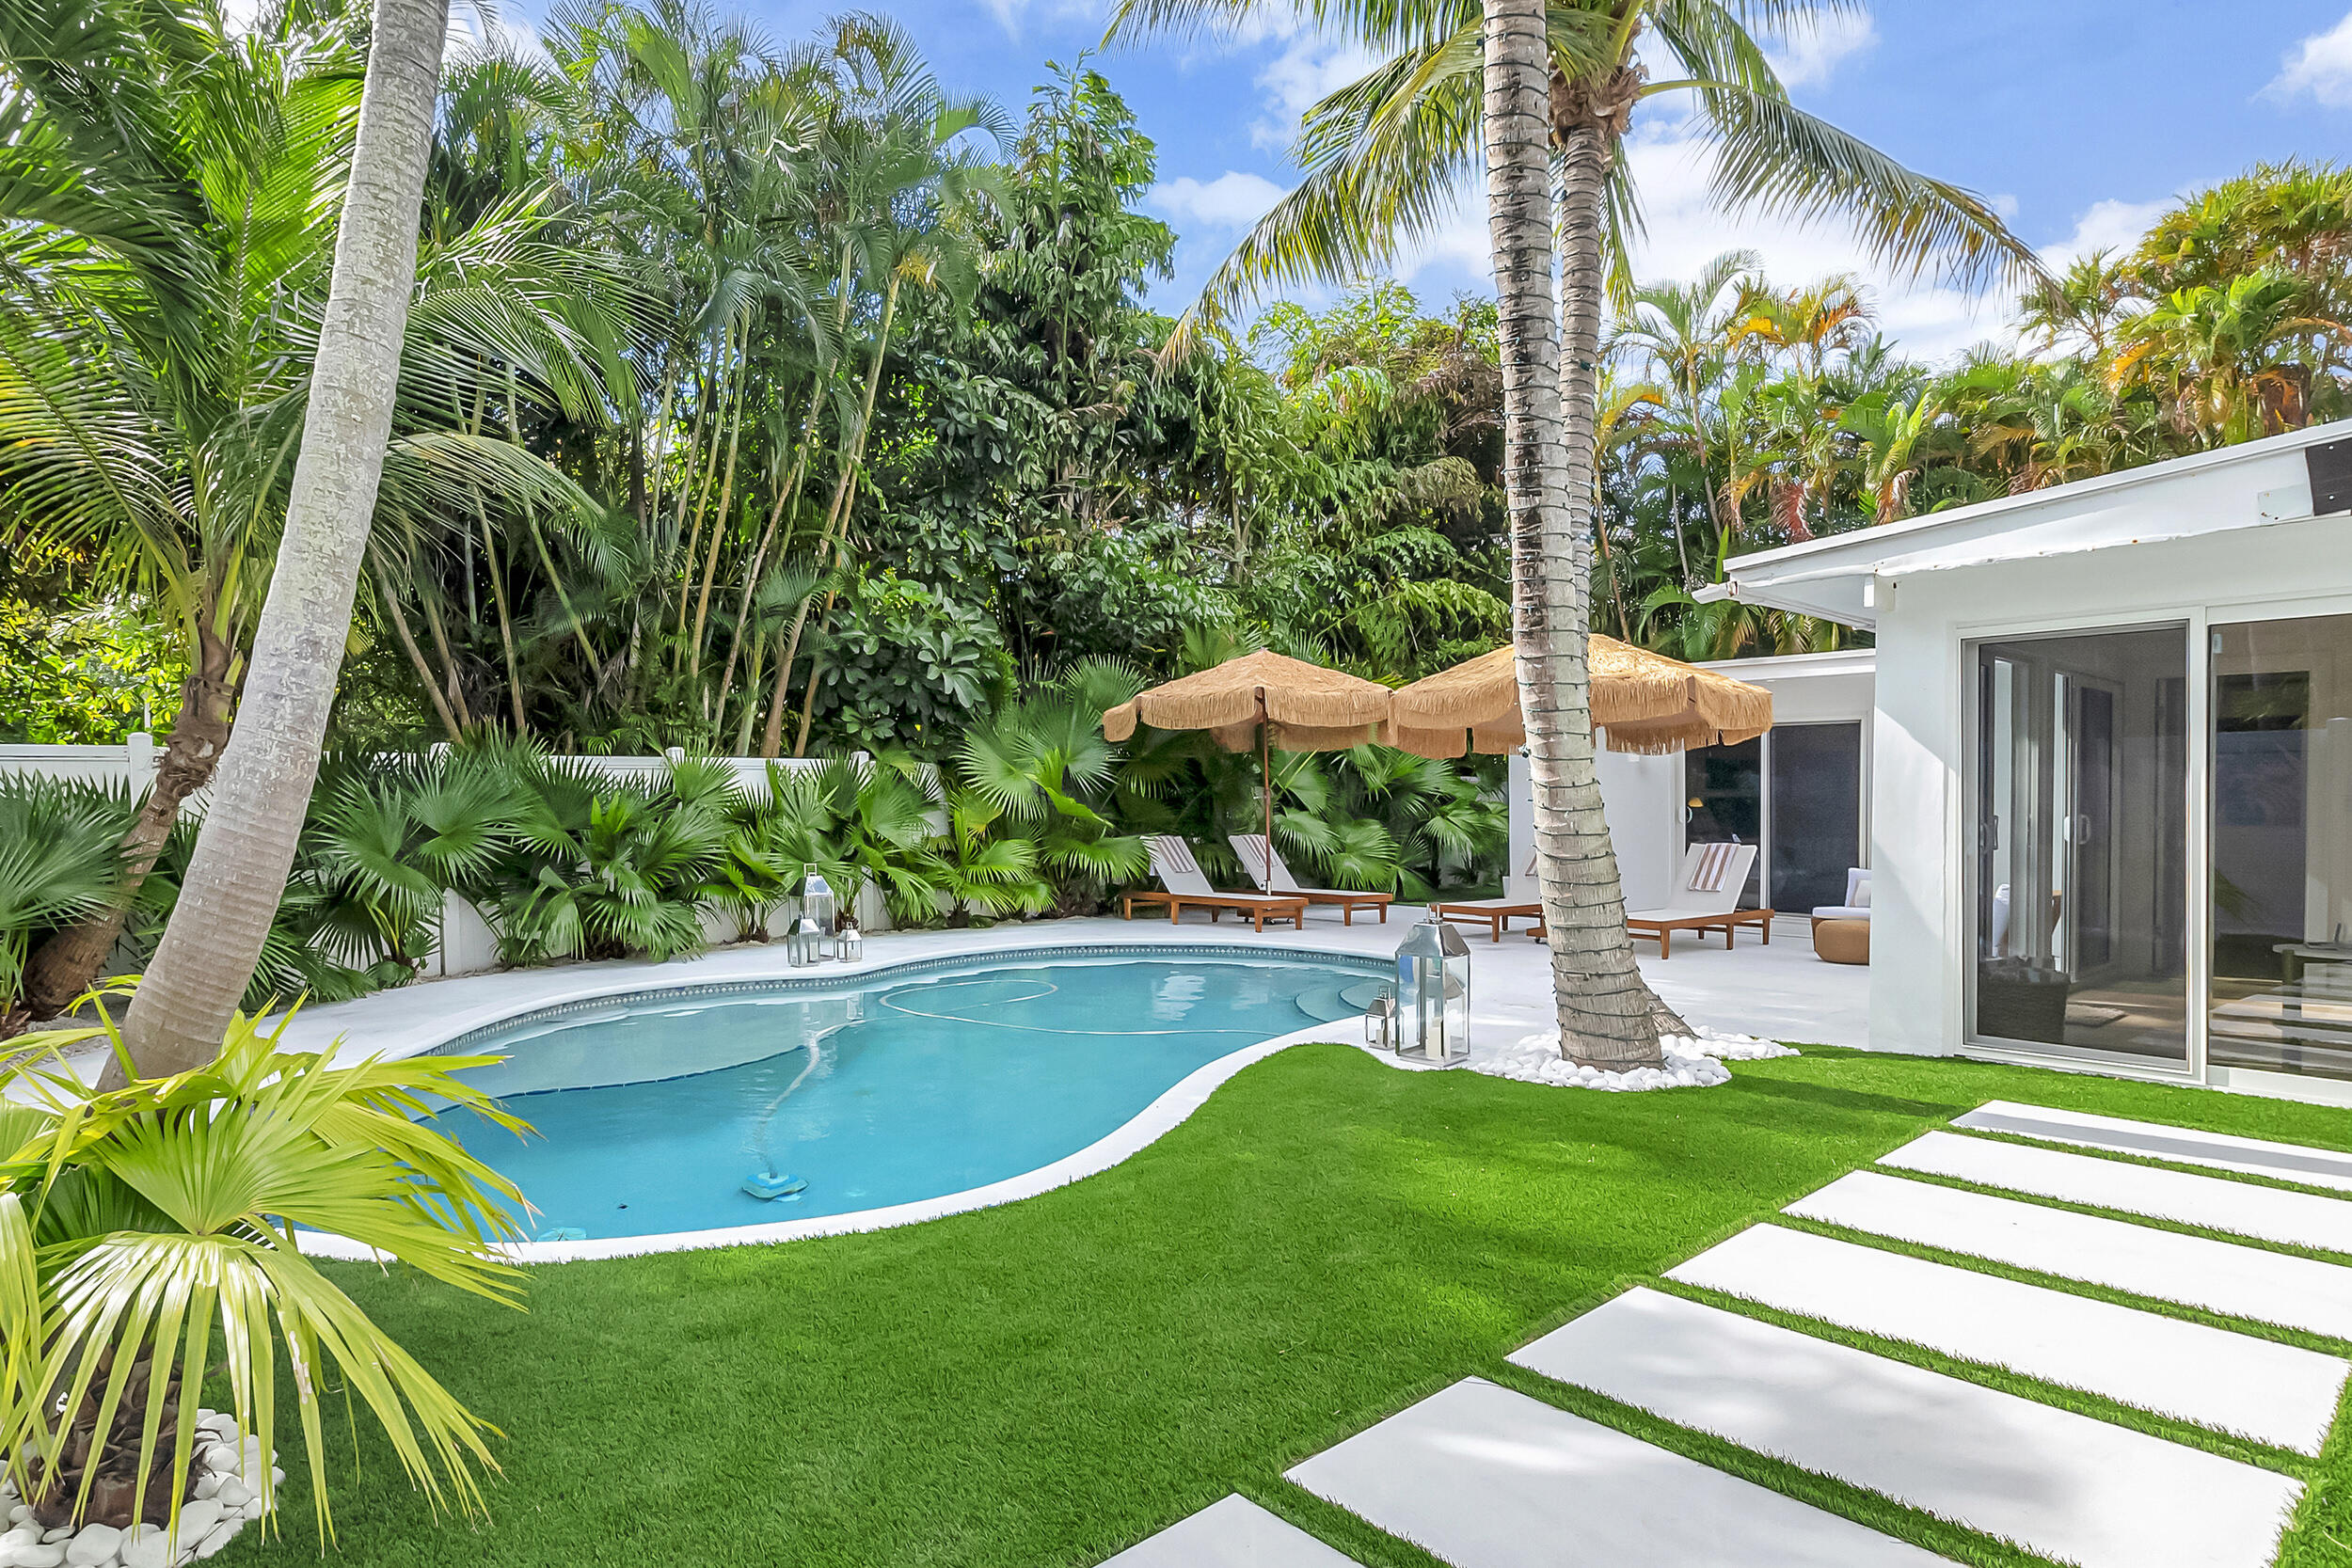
{"type": "Point", "coordinates": [2258, 1388]}
{"type": "Point", "coordinates": [1232, 1532]}
{"type": "Point", "coordinates": [1484, 1477]}
{"type": "Point", "coordinates": [2069, 1487]}
{"type": "Point", "coordinates": [2317, 1167]}
{"type": "Point", "coordinates": [2163, 1265]}
{"type": "Point", "coordinates": [2241, 1208]}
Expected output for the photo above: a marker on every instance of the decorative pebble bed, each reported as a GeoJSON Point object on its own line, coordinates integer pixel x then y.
{"type": "Point", "coordinates": [1693, 1062]}
{"type": "Point", "coordinates": [231, 1479]}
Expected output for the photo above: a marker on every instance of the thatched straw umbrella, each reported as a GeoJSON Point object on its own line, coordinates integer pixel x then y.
{"type": "Point", "coordinates": [1264, 698]}
{"type": "Point", "coordinates": [1642, 702]}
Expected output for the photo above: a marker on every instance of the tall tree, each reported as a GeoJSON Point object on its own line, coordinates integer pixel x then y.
{"type": "Point", "coordinates": [181, 1012]}
{"type": "Point", "coordinates": [1382, 156]}
{"type": "Point", "coordinates": [1606, 1010]}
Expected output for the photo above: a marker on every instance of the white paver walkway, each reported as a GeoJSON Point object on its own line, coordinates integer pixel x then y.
{"type": "Point", "coordinates": [2258, 1388]}
{"type": "Point", "coordinates": [2056, 1482]}
{"type": "Point", "coordinates": [1234, 1532]}
{"type": "Point", "coordinates": [1484, 1477]}
{"type": "Point", "coordinates": [2316, 1167]}
{"type": "Point", "coordinates": [2240, 1207]}
{"type": "Point", "coordinates": [2162, 1265]}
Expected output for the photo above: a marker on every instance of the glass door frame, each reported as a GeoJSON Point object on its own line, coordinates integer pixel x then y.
{"type": "Point", "coordinates": [1766, 848]}
{"type": "Point", "coordinates": [1965, 865]}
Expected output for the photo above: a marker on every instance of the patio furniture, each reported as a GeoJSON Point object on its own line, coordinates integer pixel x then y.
{"type": "Point", "coordinates": [1841, 941]}
{"type": "Point", "coordinates": [1269, 700]}
{"type": "Point", "coordinates": [2019, 1000]}
{"type": "Point", "coordinates": [1521, 898]}
{"type": "Point", "coordinates": [1183, 887]}
{"type": "Point", "coordinates": [1857, 904]}
{"type": "Point", "coordinates": [1264, 862]}
{"type": "Point", "coordinates": [1706, 899]}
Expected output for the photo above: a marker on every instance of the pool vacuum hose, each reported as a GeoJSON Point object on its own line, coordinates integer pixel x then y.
{"type": "Point", "coordinates": [765, 1184]}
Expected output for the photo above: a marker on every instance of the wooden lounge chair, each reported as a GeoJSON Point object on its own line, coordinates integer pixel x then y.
{"type": "Point", "coordinates": [1264, 864]}
{"type": "Point", "coordinates": [1521, 898]}
{"type": "Point", "coordinates": [1183, 887]}
{"type": "Point", "coordinates": [1707, 898]}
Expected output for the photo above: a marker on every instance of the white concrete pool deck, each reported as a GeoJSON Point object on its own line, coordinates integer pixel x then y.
{"type": "Point", "coordinates": [1780, 992]}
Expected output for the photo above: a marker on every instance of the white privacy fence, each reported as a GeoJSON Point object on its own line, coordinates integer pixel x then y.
{"type": "Point", "coordinates": [467, 946]}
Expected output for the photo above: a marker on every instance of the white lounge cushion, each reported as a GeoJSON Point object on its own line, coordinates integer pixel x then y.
{"type": "Point", "coordinates": [1841, 911]}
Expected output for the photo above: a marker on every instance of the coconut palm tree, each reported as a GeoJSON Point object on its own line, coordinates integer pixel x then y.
{"type": "Point", "coordinates": [1383, 157]}
{"type": "Point", "coordinates": [183, 1010]}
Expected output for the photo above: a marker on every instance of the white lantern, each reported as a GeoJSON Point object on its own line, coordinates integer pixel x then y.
{"type": "Point", "coordinates": [850, 942]}
{"type": "Point", "coordinates": [807, 943]}
{"type": "Point", "coordinates": [817, 908]}
{"type": "Point", "coordinates": [1433, 994]}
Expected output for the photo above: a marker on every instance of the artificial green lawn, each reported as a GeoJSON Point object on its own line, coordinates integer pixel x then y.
{"type": "Point", "coordinates": [1326, 1241]}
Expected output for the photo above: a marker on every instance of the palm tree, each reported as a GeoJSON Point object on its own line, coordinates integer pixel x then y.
{"type": "Point", "coordinates": [138, 1221]}
{"type": "Point", "coordinates": [1382, 156]}
{"type": "Point", "coordinates": [209, 950]}
{"type": "Point", "coordinates": [1685, 330]}
{"type": "Point", "coordinates": [167, 213]}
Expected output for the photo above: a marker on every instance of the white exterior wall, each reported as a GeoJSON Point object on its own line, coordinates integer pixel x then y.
{"type": "Point", "coordinates": [1920, 940]}
{"type": "Point", "coordinates": [1642, 795]}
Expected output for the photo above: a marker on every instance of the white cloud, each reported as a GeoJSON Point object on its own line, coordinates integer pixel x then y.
{"type": "Point", "coordinates": [1807, 54]}
{"type": "Point", "coordinates": [475, 24]}
{"type": "Point", "coordinates": [2321, 66]}
{"type": "Point", "coordinates": [2108, 225]}
{"type": "Point", "coordinates": [1310, 67]}
{"type": "Point", "coordinates": [1233, 200]}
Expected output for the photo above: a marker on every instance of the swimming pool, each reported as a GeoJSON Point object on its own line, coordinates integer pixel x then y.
{"type": "Point", "coordinates": [652, 1113]}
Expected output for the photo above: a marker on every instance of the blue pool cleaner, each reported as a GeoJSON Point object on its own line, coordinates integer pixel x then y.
{"type": "Point", "coordinates": [768, 1186]}
{"type": "Point", "coordinates": [765, 1183]}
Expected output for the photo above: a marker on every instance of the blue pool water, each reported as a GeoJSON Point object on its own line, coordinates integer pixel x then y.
{"type": "Point", "coordinates": [888, 1092]}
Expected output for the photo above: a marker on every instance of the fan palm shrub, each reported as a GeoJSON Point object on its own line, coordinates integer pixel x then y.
{"type": "Point", "coordinates": [596, 868]}
{"type": "Point", "coordinates": [60, 861]}
{"type": "Point", "coordinates": [1035, 791]}
{"type": "Point", "coordinates": [151, 1234]}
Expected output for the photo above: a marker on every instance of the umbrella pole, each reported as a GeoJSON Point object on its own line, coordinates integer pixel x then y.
{"type": "Point", "coordinates": [1265, 787]}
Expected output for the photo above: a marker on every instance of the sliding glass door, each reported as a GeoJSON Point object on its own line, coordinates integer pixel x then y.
{"type": "Point", "coordinates": [1816, 812]}
{"type": "Point", "coordinates": [2080, 791]}
{"type": "Point", "coordinates": [2281, 885]}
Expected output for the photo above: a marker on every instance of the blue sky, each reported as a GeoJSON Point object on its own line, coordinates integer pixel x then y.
{"type": "Point", "coordinates": [2080, 119]}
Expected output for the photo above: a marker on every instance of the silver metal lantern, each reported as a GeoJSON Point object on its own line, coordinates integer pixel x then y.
{"type": "Point", "coordinates": [805, 945]}
{"type": "Point", "coordinates": [818, 908]}
{"type": "Point", "coordinates": [1433, 993]}
{"type": "Point", "coordinates": [849, 942]}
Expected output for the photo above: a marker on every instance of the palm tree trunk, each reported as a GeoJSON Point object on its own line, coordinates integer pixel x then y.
{"type": "Point", "coordinates": [233, 884]}
{"type": "Point", "coordinates": [1603, 1006]}
{"type": "Point", "coordinates": [67, 964]}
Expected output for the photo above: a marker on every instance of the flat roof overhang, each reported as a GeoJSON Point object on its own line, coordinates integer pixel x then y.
{"type": "Point", "coordinates": [2252, 486]}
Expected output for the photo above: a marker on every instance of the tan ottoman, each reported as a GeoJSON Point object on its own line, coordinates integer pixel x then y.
{"type": "Point", "coordinates": [1842, 942]}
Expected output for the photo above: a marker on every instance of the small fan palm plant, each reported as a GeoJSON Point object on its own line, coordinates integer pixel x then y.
{"type": "Point", "coordinates": [148, 1229]}
{"type": "Point", "coordinates": [1039, 774]}
{"type": "Point", "coordinates": [60, 860]}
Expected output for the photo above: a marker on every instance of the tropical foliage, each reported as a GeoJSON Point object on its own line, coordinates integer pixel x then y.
{"type": "Point", "coordinates": [148, 1239]}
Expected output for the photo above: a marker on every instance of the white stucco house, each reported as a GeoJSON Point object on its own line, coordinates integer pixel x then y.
{"type": "Point", "coordinates": [2104, 768]}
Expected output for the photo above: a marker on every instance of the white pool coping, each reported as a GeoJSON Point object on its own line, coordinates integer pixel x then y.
{"type": "Point", "coordinates": [1168, 1110]}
